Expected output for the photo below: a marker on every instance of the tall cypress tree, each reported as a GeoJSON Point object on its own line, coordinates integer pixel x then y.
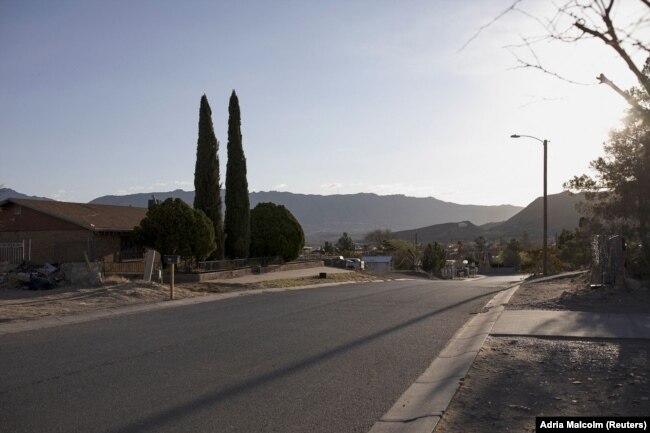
{"type": "Point", "coordinates": [206, 176]}
{"type": "Point", "coordinates": [237, 220]}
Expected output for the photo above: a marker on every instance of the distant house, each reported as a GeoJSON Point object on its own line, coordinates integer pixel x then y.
{"type": "Point", "coordinates": [378, 263]}
{"type": "Point", "coordinates": [59, 232]}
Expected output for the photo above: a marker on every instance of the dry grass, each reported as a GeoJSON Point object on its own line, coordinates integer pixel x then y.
{"type": "Point", "coordinates": [115, 279]}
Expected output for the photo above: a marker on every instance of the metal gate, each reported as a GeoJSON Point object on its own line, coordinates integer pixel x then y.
{"type": "Point", "coordinates": [12, 252]}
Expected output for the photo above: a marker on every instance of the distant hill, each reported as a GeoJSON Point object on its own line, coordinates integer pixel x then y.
{"type": "Point", "coordinates": [562, 214]}
{"type": "Point", "coordinates": [447, 232]}
{"type": "Point", "coordinates": [142, 199]}
{"type": "Point", "coordinates": [6, 193]}
{"type": "Point", "coordinates": [326, 217]}
{"type": "Point", "coordinates": [360, 213]}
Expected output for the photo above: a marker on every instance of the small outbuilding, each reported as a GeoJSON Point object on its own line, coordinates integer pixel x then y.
{"type": "Point", "coordinates": [57, 232]}
{"type": "Point", "coordinates": [378, 263]}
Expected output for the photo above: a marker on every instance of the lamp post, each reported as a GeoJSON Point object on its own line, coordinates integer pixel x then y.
{"type": "Point", "coordinates": [545, 241]}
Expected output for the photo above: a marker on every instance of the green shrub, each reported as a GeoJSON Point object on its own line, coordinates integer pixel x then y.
{"type": "Point", "coordinates": [275, 232]}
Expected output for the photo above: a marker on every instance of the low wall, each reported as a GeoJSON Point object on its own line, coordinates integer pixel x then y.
{"type": "Point", "coordinates": [224, 275]}
{"type": "Point", "coordinates": [292, 266]}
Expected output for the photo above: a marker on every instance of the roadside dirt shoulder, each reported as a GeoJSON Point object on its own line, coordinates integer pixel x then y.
{"type": "Point", "coordinates": [21, 305]}
{"type": "Point", "coordinates": [513, 380]}
{"type": "Point", "coordinates": [576, 294]}
{"type": "Point", "coordinates": [115, 292]}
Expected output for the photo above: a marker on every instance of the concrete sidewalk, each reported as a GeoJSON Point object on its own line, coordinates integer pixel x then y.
{"type": "Point", "coordinates": [571, 324]}
{"type": "Point", "coordinates": [544, 323]}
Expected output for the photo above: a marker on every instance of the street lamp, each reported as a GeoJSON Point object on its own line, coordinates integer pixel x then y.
{"type": "Point", "coordinates": [545, 244]}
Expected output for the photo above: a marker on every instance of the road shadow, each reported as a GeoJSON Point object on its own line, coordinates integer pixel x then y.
{"type": "Point", "coordinates": [156, 421]}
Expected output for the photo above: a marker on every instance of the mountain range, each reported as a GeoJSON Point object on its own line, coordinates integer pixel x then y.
{"type": "Point", "coordinates": [562, 214]}
{"type": "Point", "coordinates": [327, 217]}
{"type": "Point", "coordinates": [6, 193]}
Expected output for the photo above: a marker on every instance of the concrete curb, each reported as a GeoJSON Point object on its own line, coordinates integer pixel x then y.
{"type": "Point", "coordinates": [419, 409]}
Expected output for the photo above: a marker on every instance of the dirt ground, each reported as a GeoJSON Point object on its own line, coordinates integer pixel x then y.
{"type": "Point", "coordinates": [513, 380]}
{"type": "Point", "coordinates": [576, 294]}
{"type": "Point", "coordinates": [20, 304]}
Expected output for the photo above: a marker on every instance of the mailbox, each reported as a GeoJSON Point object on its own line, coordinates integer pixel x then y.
{"type": "Point", "coordinates": [172, 260]}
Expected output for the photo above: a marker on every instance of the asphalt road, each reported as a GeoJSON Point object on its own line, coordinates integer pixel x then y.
{"type": "Point", "coordinates": [330, 359]}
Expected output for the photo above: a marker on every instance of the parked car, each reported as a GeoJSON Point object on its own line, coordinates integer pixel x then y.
{"type": "Point", "coordinates": [356, 264]}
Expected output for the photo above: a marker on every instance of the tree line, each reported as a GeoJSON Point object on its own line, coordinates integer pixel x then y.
{"type": "Point", "coordinates": [173, 227]}
{"type": "Point", "coordinates": [571, 250]}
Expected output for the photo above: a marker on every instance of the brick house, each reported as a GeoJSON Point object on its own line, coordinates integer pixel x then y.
{"type": "Point", "coordinates": [59, 232]}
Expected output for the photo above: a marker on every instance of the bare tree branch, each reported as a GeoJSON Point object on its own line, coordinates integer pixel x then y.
{"type": "Point", "coordinates": [485, 26]}
{"type": "Point", "coordinates": [630, 100]}
{"type": "Point", "coordinates": [537, 101]}
{"type": "Point", "coordinates": [613, 42]}
{"type": "Point", "coordinates": [538, 65]}
{"type": "Point", "coordinates": [577, 20]}
{"type": "Point", "coordinates": [524, 65]}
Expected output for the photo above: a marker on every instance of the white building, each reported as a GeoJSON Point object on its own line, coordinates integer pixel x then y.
{"type": "Point", "coordinates": [378, 263]}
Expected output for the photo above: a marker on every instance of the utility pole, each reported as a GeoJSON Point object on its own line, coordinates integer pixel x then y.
{"type": "Point", "coordinates": [415, 253]}
{"type": "Point", "coordinates": [545, 241]}
{"type": "Point", "coordinates": [545, 244]}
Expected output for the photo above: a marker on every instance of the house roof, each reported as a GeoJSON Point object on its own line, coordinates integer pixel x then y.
{"type": "Point", "coordinates": [95, 217]}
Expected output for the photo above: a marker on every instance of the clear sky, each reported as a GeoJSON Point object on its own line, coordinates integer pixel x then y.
{"type": "Point", "coordinates": [336, 97]}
